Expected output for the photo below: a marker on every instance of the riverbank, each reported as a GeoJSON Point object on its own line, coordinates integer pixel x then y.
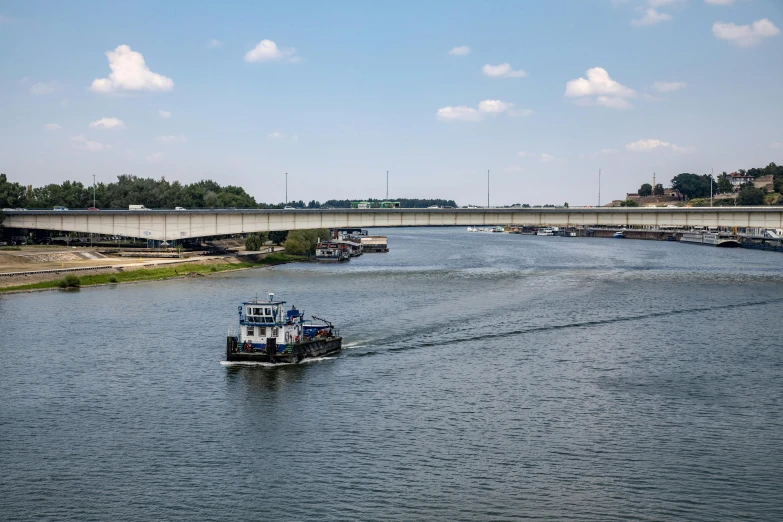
{"type": "Point", "coordinates": [156, 274]}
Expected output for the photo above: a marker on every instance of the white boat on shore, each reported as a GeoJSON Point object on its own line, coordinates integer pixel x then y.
{"type": "Point", "coordinates": [703, 237]}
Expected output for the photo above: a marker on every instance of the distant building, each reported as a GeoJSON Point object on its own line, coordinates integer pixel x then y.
{"type": "Point", "coordinates": [737, 180]}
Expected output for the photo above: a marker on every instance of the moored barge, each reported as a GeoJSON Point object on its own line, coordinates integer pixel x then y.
{"type": "Point", "coordinates": [268, 332]}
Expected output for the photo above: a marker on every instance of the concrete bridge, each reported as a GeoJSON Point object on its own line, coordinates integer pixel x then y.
{"type": "Point", "coordinates": [182, 224]}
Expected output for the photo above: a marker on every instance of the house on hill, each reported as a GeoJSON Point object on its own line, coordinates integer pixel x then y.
{"type": "Point", "coordinates": [737, 180]}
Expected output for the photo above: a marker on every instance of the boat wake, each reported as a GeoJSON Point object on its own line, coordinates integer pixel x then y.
{"type": "Point", "coordinates": [273, 365]}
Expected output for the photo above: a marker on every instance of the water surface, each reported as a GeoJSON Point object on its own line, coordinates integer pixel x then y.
{"type": "Point", "coordinates": [485, 377]}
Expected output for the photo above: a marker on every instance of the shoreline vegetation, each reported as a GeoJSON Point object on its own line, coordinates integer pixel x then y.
{"type": "Point", "coordinates": [161, 273]}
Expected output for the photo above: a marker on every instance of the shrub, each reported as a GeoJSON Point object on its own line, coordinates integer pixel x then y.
{"type": "Point", "coordinates": [112, 279]}
{"type": "Point", "coordinates": [71, 281]}
{"type": "Point", "coordinates": [62, 284]}
{"type": "Point", "coordinates": [212, 268]}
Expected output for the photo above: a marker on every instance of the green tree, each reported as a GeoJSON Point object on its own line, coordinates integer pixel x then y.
{"type": "Point", "coordinates": [750, 195]}
{"type": "Point", "coordinates": [724, 184]}
{"type": "Point", "coordinates": [658, 190]}
{"type": "Point", "coordinates": [278, 237]}
{"type": "Point", "coordinates": [645, 190]}
{"type": "Point", "coordinates": [629, 203]}
{"type": "Point", "coordinates": [693, 185]}
{"type": "Point", "coordinates": [254, 242]}
{"type": "Point", "coordinates": [304, 241]}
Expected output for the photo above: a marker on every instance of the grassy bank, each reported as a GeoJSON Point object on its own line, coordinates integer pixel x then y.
{"type": "Point", "coordinates": [156, 274]}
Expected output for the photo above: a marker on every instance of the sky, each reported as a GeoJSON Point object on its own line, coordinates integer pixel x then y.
{"type": "Point", "coordinates": [540, 94]}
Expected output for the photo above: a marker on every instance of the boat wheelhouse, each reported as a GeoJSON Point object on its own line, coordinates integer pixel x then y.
{"type": "Point", "coordinates": [270, 332]}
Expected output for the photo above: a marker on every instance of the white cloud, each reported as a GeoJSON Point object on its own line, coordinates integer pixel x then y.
{"type": "Point", "coordinates": [84, 144]}
{"type": "Point", "coordinates": [170, 139]}
{"type": "Point", "coordinates": [598, 84]}
{"type": "Point", "coordinates": [51, 127]}
{"type": "Point", "coordinates": [669, 86]}
{"type": "Point", "coordinates": [164, 114]}
{"type": "Point", "coordinates": [462, 50]}
{"type": "Point", "coordinates": [276, 135]}
{"type": "Point", "coordinates": [503, 70]}
{"type": "Point", "coordinates": [24, 80]}
{"type": "Point", "coordinates": [214, 43]}
{"type": "Point", "coordinates": [107, 123]}
{"type": "Point", "coordinates": [494, 106]}
{"type": "Point", "coordinates": [543, 157]}
{"type": "Point", "coordinates": [460, 113]}
{"type": "Point", "coordinates": [155, 157]}
{"type": "Point", "coordinates": [652, 144]}
{"type": "Point", "coordinates": [719, 2]}
{"type": "Point", "coordinates": [651, 17]}
{"type": "Point", "coordinates": [491, 107]}
{"type": "Point", "coordinates": [661, 3]}
{"type": "Point", "coordinates": [745, 35]}
{"type": "Point", "coordinates": [130, 73]}
{"type": "Point", "coordinates": [608, 151]}
{"type": "Point", "coordinates": [41, 88]}
{"type": "Point", "coordinates": [267, 51]}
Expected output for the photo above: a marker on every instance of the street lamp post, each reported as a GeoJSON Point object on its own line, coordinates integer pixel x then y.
{"type": "Point", "coordinates": [711, 173]}
{"type": "Point", "coordinates": [93, 202]}
{"type": "Point", "coordinates": [286, 189]}
{"type": "Point", "coordinates": [487, 188]}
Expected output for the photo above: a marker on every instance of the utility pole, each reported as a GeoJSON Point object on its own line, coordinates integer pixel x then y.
{"type": "Point", "coordinates": [93, 202]}
{"type": "Point", "coordinates": [487, 188]}
{"type": "Point", "coordinates": [711, 173]}
{"type": "Point", "coordinates": [387, 185]}
{"type": "Point", "coordinates": [286, 189]}
{"type": "Point", "coordinates": [599, 187]}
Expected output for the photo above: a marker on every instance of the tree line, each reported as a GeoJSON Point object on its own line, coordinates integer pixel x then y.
{"type": "Point", "coordinates": [158, 193]}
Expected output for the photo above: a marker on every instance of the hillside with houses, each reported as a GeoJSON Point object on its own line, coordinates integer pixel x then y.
{"type": "Point", "coordinates": [756, 186]}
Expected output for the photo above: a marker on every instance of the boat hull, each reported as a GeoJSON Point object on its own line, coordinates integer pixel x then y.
{"type": "Point", "coordinates": [298, 352]}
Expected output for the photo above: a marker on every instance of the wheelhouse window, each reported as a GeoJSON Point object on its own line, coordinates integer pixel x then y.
{"type": "Point", "coordinates": [251, 331]}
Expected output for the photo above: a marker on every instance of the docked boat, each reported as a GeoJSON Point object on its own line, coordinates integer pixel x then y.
{"type": "Point", "coordinates": [703, 237]}
{"type": "Point", "coordinates": [619, 235]}
{"type": "Point", "coordinates": [268, 332]}
{"type": "Point", "coordinates": [545, 231]}
{"type": "Point", "coordinates": [332, 252]}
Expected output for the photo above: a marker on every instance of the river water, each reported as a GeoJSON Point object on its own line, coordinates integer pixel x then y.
{"type": "Point", "coordinates": [485, 377]}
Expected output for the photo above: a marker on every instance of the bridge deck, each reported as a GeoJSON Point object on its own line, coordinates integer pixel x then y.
{"type": "Point", "coordinates": [182, 224]}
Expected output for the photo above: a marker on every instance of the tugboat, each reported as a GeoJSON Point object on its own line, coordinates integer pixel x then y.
{"type": "Point", "coordinates": [268, 332]}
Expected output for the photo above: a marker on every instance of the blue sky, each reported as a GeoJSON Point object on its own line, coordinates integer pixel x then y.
{"type": "Point", "coordinates": [337, 93]}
